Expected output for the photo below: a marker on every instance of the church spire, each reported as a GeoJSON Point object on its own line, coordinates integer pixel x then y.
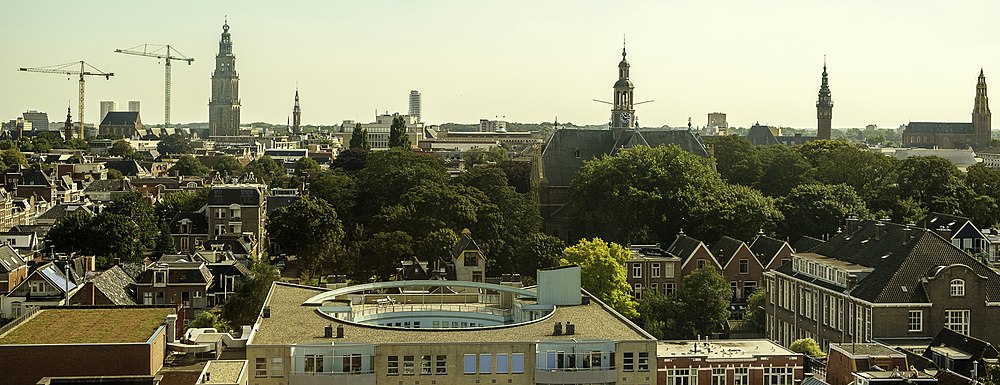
{"type": "Point", "coordinates": [623, 113]}
{"type": "Point", "coordinates": [296, 114]}
{"type": "Point", "coordinates": [824, 107]}
{"type": "Point", "coordinates": [981, 117]}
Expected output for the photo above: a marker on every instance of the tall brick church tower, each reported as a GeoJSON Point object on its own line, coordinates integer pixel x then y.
{"type": "Point", "coordinates": [824, 108]}
{"type": "Point", "coordinates": [224, 107]}
{"type": "Point", "coordinates": [623, 112]}
{"type": "Point", "coordinates": [981, 124]}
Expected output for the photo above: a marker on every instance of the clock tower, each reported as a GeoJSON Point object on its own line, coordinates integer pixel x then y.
{"type": "Point", "coordinates": [824, 108]}
{"type": "Point", "coordinates": [623, 112]}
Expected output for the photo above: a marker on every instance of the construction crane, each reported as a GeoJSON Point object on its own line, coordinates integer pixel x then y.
{"type": "Point", "coordinates": [160, 52]}
{"type": "Point", "coordinates": [65, 69]}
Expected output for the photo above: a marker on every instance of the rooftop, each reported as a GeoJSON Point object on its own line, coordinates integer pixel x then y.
{"type": "Point", "coordinates": [866, 349]}
{"type": "Point", "coordinates": [721, 349]}
{"type": "Point", "coordinates": [290, 322]}
{"type": "Point", "coordinates": [223, 372]}
{"type": "Point", "coordinates": [87, 325]}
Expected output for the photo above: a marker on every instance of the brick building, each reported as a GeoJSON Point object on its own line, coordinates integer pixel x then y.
{"type": "Point", "coordinates": [726, 362]}
{"type": "Point", "coordinates": [740, 267]}
{"type": "Point", "coordinates": [652, 269]}
{"type": "Point", "coordinates": [176, 283]}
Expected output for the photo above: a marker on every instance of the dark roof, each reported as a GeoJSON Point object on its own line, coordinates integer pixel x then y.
{"type": "Point", "coordinates": [938, 128]}
{"type": "Point", "coordinates": [948, 225]}
{"type": "Point", "coordinates": [61, 211]}
{"type": "Point", "coordinates": [9, 258]}
{"type": "Point", "coordinates": [240, 194]}
{"type": "Point", "coordinates": [761, 136]}
{"type": "Point", "coordinates": [126, 167]}
{"type": "Point", "coordinates": [975, 347]}
{"type": "Point", "coordinates": [806, 243]}
{"type": "Point", "coordinates": [947, 377]}
{"type": "Point", "coordinates": [683, 247]}
{"type": "Point", "coordinates": [178, 273]}
{"type": "Point", "coordinates": [166, 182]}
{"type": "Point", "coordinates": [275, 202]}
{"type": "Point", "coordinates": [226, 268]}
{"type": "Point", "coordinates": [765, 248]}
{"type": "Point", "coordinates": [108, 185]}
{"type": "Point", "coordinates": [233, 243]}
{"type": "Point", "coordinates": [199, 224]}
{"type": "Point", "coordinates": [725, 248]}
{"type": "Point", "coordinates": [121, 118]}
{"type": "Point", "coordinates": [117, 285]}
{"type": "Point", "coordinates": [568, 148]}
{"type": "Point", "coordinates": [464, 243]}
{"type": "Point", "coordinates": [810, 380]}
{"type": "Point", "coordinates": [40, 230]}
{"type": "Point", "coordinates": [900, 256]}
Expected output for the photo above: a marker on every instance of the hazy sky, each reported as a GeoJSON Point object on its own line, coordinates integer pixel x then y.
{"type": "Point", "coordinates": [890, 61]}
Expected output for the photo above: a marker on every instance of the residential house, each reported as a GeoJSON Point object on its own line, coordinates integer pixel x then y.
{"type": "Point", "coordinates": [82, 172]}
{"type": "Point", "coordinates": [48, 285]}
{"type": "Point", "coordinates": [721, 362]}
{"type": "Point", "coordinates": [128, 167]}
{"type": "Point", "coordinates": [239, 209]}
{"type": "Point", "coordinates": [652, 269]}
{"type": "Point", "coordinates": [110, 287]}
{"type": "Point", "coordinates": [189, 231]}
{"type": "Point", "coordinates": [106, 190]}
{"type": "Point", "coordinates": [772, 253]}
{"type": "Point", "coordinates": [26, 239]}
{"type": "Point", "coordinates": [13, 269]}
{"type": "Point", "coordinates": [58, 212]}
{"type": "Point", "coordinates": [740, 267]}
{"type": "Point", "coordinates": [468, 259]}
{"type": "Point", "coordinates": [226, 275]}
{"type": "Point", "coordinates": [176, 283]}
{"type": "Point", "coordinates": [28, 182]}
{"type": "Point", "coordinates": [959, 230]}
{"type": "Point", "coordinates": [693, 254]}
{"type": "Point", "coordinates": [962, 354]}
{"type": "Point", "coordinates": [909, 279]}
{"type": "Point", "coordinates": [871, 364]}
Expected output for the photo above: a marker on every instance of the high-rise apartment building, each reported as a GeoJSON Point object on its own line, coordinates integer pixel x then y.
{"type": "Point", "coordinates": [133, 106]}
{"type": "Point", "coordinates": [106, 107]}
{"type": "Point", "coordinates": [415, 105]}
{"type": "Point", "coordinates": [224, 107]}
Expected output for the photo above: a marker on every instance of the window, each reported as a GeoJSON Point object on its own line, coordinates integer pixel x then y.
{"type": "Point", "coordinates": [643, 361]}
{"type": "Point", "coordinates": [701, 263]}
{"type": "Point", "coordinates": [668, 270]}
{"type": "Point", "coordinates": [668, 288]}
{"type": "Point", "coordinates": [471, 258]}
{"type": "Point", "coordinates": [517, 363]}
{"type": "Point", "coordinates": [408, 369]}
{"type": "Point", "coordinates": [485, 364]}
{"type": "Point", "coordinates": [470, 364]}
{"type": "Point", "coordinates": [220, 213]}
{"type": "Point", "coordinates": [682, 377]}
{"type": "Point", "coordinates": [741, 376]}
{"type": "Point", "coordinates": [441, 366]}
{"type": "Point", "coordinates": [748, 288]}
{"type": "Point", "coordinates": [957, 288]}
{"type": "Point", "coordinates": [916, 320]}
{"type": "Point", "coordinates": [350, 363]}
{"type": "Point", "coordinates": [718, 376]}
{"type": "Point", "coordinates": [147, 298]}
{"type": "Point", "coordinates": [313, 363]}
{"type": "Point", "coordinates": [636, 270]}
{"type": "Point", "coordinates": [184, 244]}
{"type": "Point", "coordinates": [260, 367]}
{"type": "Point", "coordinates": [655, 270]}
{"type": "Point", "coordinates": [628, 361]}
{"type": "Point", "coordinates": [277, 367]}
{"type": "Point", "coordinates": [744, 266]}
{"type": "Point", "coordinates": [425, 364]}
{"type": "Point", "coordinates": [159, 277]}
{"type": "Point", "coordinates": [197, 294]}
{"type": "Point", "coordinates": [220, 229]}
{"type": "Point", "coordinates": [502, 366]}
{"type": "Point", "coordinates": [393, 366]}
{"type": "Point", "coordinates": [734, 288]}
{"type": "Point", "coordinates": [638, 290]}
{"type": "Point", "coordinates": [778, 376]}
{"type": "Point", "coordinates": [957, 320]}
{"type": "Point", "coordinates": [653, 287]}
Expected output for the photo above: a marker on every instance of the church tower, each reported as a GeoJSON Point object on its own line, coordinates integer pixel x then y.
{"type": "Point", "coordinates": [981, 121]}
{"type": "Point", "coordinates": [296, 115]}
{"type": "Point", "coordinates": [824, 108]}
{"type": "Point", "coordinates": [68, 125]}
{"type": "Point", "coordinates": [623, 112]}
{"type": "Point", "coordinates": [224, 107]}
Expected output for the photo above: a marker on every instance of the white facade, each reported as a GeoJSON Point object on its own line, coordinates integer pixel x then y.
{"type": "Point", "coordinates": [415, 105]}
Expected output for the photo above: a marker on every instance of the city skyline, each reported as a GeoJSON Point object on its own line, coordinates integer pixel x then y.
{"type": "Point", "coordinates": [527, 62]}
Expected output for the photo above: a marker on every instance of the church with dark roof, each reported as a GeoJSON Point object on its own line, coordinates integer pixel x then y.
{"type": "Point", "coordinates": [954, 135]}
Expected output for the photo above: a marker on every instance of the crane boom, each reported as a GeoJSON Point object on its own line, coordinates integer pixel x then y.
{"type": "Point", "coordinates": [161, 52]}
{"type": "Point", "coordinates": [64, 69]}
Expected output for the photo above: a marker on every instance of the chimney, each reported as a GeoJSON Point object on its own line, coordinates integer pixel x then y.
{"type": "Point", "coordinates": [207, 379]}
{"type": "Point", "coordinates": [557, 329]}
{"type": "Point", "coordinates": [328, 331]}
{"type": "Point", "coordinates": [852, 224]}
{"type": "Point", "coordinates": [907, 234]}
{"type": "Point", "coordinates": [340, 331]}
{"type": "Point", "coordinates": [171, 327]}
{"type": "Point", "coordinates": [879, 230]}
{"type": "Point", "coordinates": [267, 312]}
{"type": "Point", "coordinates": [570, 328]}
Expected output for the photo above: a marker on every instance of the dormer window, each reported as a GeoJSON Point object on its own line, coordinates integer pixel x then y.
{"type": "Point", "coordinates": [957, 288]}
{"type": "Point", "coordinates": [160, 278]}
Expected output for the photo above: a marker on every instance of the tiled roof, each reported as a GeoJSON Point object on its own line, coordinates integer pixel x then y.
{"type": "Point", "coordinates": [938, 128]}
{"type": "Point", "coordinates": [9, 258]}
{"type": "Point", "coordinates": [975, 347]}
{"type": "Point", "coordinates": [199, 224]}
{"type": "Point", "coordinates": [806, 243]}
{"type": "Point", "coordinates": [121, 118]}
{"type": "Point", "coordinates": [61, 211]}
{"type": "Point", "coordinates": [126, 167]}
{"type": "Point", "coordinates": [761, 136]}
{"type": "Point", "coordinates": [252, 195]}
{"type": "Point", "coordinates": [725, 248]}
{"type": "Point", "coordinates": [765, 248]}
{"type": "Point", "coordinates": [899, 256]}
{"type": "Point", "coordinates": [178, 273]}
{"type": "Point", "coordinates": [116, 284]}
{"type": "Point", "coordinates": [683, 247]}
{"type": "Point", "coordinates": [464, 243]}
{"type": "Point", "coordinates": [108, 185]}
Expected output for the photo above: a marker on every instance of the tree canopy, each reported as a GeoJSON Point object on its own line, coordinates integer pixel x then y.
{"type": "Point", "coordinates": [359, 138]}
{"type": "Point", "coordinates": [188, 165]}
{"type": "Point", "coordinates": [310, 230]}
{"type": "Point", "coordinates": [397, 134]}
{"type": "Point", "coordinates": [602, 274]}
{"type": "Point", "coordinates": [175, 144]}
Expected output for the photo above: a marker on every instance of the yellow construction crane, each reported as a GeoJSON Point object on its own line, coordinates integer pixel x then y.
{"type": "Point", "coordinates": [64, 69]}
{"type": "Point", "coordinates": [160, 52]}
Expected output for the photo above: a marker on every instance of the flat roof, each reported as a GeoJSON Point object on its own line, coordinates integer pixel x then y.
{"type": "Point", "coordinates": [223, 372]}
{"type": "Point", "coordinates": [722, 349]}
{"type": "Point", "coordinates": [867, 349]}
{"type": "Point", "coordinates": [87, 326]}
{"type": "Point", "coordinates": [290, 323]}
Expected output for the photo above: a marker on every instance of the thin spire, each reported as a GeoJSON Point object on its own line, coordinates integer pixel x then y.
{"type": "Point", "coordinates": [623, 46]}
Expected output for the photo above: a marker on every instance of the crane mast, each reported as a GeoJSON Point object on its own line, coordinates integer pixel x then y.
{"type": "Point", "coordinates": [160, 52]}
{"type": "Point", "coordinates": [64, 69]}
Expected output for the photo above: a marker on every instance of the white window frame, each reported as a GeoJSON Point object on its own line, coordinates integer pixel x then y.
{"type": "Point", "coordinates": [915, 321]}
{"type": "Point", "coordinates": [655, 270]}
{"type": "Point", "coordinates": [957, 287]}
{"type": "Point", "coordinates": [958, 320]}
{"type": "Point", "coordinates": [636, 270]}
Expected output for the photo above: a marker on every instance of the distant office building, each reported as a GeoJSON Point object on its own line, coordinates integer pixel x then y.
{"type": "Point", "coordinates": [717, 120]}
{"type": "Point", "coordinates": [39, 120]}
{"type": "Point", "coordinates": [106, 107]}
{"type": "Point", "coordinates": [486, 125]}
{"type": "Point", "coordinates": [224, 107]}
{"type": "Point", "coordinates": [378, 132]}
{"type": "Point", "coordinates": [415, 105]}
{"type": "Point", "coordinates": [133, 106]}
{"type": "Point", "coordinates": [824, 109]}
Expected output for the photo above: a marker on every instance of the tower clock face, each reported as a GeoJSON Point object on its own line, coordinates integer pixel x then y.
{"type": "Point", "coordinates": [626, 117]}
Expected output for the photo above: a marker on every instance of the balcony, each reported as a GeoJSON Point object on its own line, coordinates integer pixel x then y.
{"type": "Point", "coordinates": [576, 375]}
{"type": "Point", "coordinates": [331, 378]}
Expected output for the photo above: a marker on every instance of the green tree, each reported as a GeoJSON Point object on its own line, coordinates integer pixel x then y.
{"type": "Point", "coordinates": [783, 169]}
{"type": "Point", "coordinates": [72, 232]}
{"type": "Point", "coordinates": [701, 303]}
{"type": "Point", "coordinates": [164, 242]}
{"type": "Point", "coordinates": [115, 174]}
{"type": "Point", "coordinates": [820, 209]}
{"type": "Point", "coordinates": [397, 134]}
{"type": "Point", "coordinates": [187, 165]}
{"type": "Point", "coordinates": [932, 181]}
{"type": "Point", "coordinates": [350, 160]}
{"type": "Point", "coordinates": [137, 209]}
{"type": "Point", "coordinates": [437, 244]}
{"type": "Point", "coordinates": [265, 168]}
{"type": "Point", "coordinates": [431, 206]}
{"type": "Point", "coordinates": [737, 160]}
{"type": "Point", "coordinates": [175, 144]}
{"type": "Point", "coordinates": [229, 166]}
{"type": "Point", "coordinates": [755, 312]}
{"type": "Point", "coordinates": [479, 155]}
{"type": "Point", "coordinates": [13, 156]}
{"type": "Point", "coordinates": [336, 188]}
{"type": "Point", "coordinates": [734, 210]}
{"type": "Point", "coordinates": [306, 166]}
{"type": "Point", "coordinates": [359, 138]}
{"type": "Point", "coordinates": [121, 148]}
{"type": "Point", "coordinates": [180, 202]}
{"type": "Point", "coordinates": [310, 230]}
{"type": "Point", "coordinates": [243, 307]}
{"type": "Point", "coordinates": [390, 174]}
{"type": "Point", "coordinates": [209, 319]}
{"type": "Point", "coordinates": [120, 237]}
{"type": "Point", "coordinates": [807, 346]}
{"type": "Point", "coordinates": [602, 272]}
{"type": "Point", "coordinates": [379, 255]}
{"type": "Point", "coordinates": [538, 251]}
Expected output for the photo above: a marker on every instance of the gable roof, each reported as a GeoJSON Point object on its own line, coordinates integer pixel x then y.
{"type": "Point", "coordinates": [464, 243]}
{"type": "Point", "coordinates": [725, 248]}
{"type": "Point", "coordinates": [121, 118]}
{"type": "Point", "coordinates": [899, 256]}
{"type": "Point", "coordinates": [684, 247]}
{"type": "Point", "coordinates": [806, 243]}
{"type": "Point", "coordinates": [949, 226]}
{"type": "Point", "coordinates": [199, 224]}
{"type": "Point", "coordinates": [938, 128]}
{"type": "Point", "coordinates": [108, 185]}
{"type": "Point", "coordinates": [975, 347]}
{"type": "Point", "coordinates": [761, 136]}
{"type": "Point", "coordinates": [10, 259]}
{"type": "Point", "coordinates": [178, 273]}
{"type": "Point", "coordinates": [116, 284]}
{"type": "Point", "coordinates": [62, 210]}
{"type": "Point", "coordinates": [766, 248]}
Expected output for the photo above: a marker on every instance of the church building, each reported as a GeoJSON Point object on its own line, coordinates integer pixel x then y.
{"type": "Point", "coordinates": [954, 135]}
{"type": "Point", "coordinates": [224, 107]}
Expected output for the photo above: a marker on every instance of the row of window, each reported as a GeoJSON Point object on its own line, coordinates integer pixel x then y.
{"type": "Point", "coordinates": [668, 289]}
{"type": "Point", "coordinates": [260, 367]}
{"type": "Point", "coordinates": [668, 270]}
{"type": "Point", "coordinates": [820, 271]}
{"type": "Point", "coordinates": [503, 363]}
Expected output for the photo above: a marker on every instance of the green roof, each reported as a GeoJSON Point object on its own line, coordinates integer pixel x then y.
{"type": "Point", "coordinates": [87, 326]}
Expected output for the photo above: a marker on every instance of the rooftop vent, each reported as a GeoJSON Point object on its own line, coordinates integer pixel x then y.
{"type": "Point", "coordinates": [340, 331]}
{"type": "Point", "coordinates": [557, 329]}
{"type": "Point", "coordinates": [267, 312]}
{"type": "Point", "coordinates": [570, 328]}
{"type": "Point", "coordinates": [328, 331]}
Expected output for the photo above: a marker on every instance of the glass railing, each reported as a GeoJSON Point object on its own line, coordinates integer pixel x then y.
{"type": "Point", "coordinates": [314, 373]}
